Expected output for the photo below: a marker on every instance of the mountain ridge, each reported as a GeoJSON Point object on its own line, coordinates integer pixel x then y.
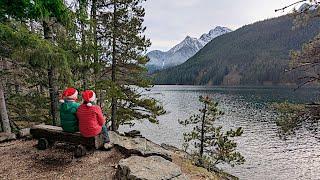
{"type": "Point", "coordinates": [254, 54]}
{"type": "Point", "coordinates": [183, 50]}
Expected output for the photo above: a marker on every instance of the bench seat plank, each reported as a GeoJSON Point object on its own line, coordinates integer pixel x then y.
{"type": "Point", "coordinates": [55, 133]}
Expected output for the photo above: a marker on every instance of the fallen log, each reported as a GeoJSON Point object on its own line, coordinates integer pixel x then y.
{"type": "Point", "coordinates": [48, 135]}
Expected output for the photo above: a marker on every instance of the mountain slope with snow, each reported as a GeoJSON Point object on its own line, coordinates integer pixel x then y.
{"type": "Point", "coordinates": [255, 54]}
{"type": "Point", "coordinates": [183, 51]}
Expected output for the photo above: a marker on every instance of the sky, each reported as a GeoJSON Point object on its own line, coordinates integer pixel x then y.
{"type": "Point", "coordinates": [169, 21]}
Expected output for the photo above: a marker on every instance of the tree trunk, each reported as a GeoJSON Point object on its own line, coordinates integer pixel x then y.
{"type": "Point", "coordinates": [32, 26]}
{"type": "Point", "coordinates": [53, 89]}
{"type": "Point", "coordinates": [114, 125]}
{"type": "Point", "coordinates": [94, 30]}
{"type": "Point", "coordinates": [53, 95]}
{"type": "Point", "coordinates": [1, 129]}
{"type": "Point", "coordinates": [202, 134]}
{"type": "Point", "coordinates": [3, 111]}
{"type": "Point", "coordinates": [82, 8]}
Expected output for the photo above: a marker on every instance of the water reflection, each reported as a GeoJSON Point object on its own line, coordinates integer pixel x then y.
{"type": "Point", "coordinates": [267, 155]}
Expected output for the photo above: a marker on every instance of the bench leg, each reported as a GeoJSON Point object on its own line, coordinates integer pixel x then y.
{"type": "Point", "coordinates": [43, 144]}
{"type": "Point", "coordinates": [80, 151]}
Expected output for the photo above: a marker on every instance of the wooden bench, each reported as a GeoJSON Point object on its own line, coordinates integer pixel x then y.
{"type": "Point", "coordinates": [47, 135]}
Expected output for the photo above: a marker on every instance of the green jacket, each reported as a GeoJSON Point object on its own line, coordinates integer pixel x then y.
{"type": "Point", "coordinates": [69, 121]}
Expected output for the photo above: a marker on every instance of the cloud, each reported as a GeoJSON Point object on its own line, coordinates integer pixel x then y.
{"type": "Point", "coordinates": [185, 3]}
{"type": "Point", "coordinates": [163, 44]}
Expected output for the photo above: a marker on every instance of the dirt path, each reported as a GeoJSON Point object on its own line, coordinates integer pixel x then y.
{"type": "Point", "coordinates": [21, 160]}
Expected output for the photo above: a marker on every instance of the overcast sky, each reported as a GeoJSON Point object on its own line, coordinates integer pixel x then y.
{"type": "Point", "coordinates": [170, 21]}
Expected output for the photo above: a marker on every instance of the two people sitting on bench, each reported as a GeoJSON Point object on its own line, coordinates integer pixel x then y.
{"type": "Point", "coordinates": [89, 117]}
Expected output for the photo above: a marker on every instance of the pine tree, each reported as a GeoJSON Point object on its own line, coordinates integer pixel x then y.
{"type": "Point", "coordinates": [51, 12]}
{"type": "Point", "coordinates": [34, 56]}
{"type": "Point", "coordinates": [123, 35]}
{"type": "Point", "coordinates": [306, 60]}
{"type": "Point", "coordinates": [212, 144]}
{"type": "Point", "coordinates": [53, 46]}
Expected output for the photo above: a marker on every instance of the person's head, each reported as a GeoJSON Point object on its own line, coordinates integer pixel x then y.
{"type": "Point", "coordinates": [89, 97]}
{"type": "Point", "coordinates": [70, 94]}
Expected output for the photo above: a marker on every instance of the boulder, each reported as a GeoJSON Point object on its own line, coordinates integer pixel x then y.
{"type": "Point", "coordinates": [138, 146]}
{"type": "Point", "coordinates": [7, 137]}
{"type": "Point", "coordinates": [148, 168]}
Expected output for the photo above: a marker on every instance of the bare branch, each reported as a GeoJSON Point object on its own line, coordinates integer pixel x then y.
{"type": "Point", "coordinates": [282, 9]}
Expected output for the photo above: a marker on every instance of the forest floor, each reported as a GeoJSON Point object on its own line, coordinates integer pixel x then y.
{"type": "Point", "coordinates": [21, 159]}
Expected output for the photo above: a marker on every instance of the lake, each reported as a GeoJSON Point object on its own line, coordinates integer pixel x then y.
{"type": "Point", "coordinates": [268, 156]}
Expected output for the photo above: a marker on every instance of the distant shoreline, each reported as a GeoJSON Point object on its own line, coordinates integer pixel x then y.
{"type": "Point", "coordinates": [243, 86]}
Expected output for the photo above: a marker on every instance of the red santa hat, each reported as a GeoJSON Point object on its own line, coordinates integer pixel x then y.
{"type": "Point", "coordinates": [88, 96]}
{"type": "Point", "coordinates": [69, 93]}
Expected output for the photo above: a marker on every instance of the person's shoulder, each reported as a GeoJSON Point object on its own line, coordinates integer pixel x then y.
{"type": "Point", "coordinates": [76, 104]}
{"type": "Point", "coordinates": [81, 106]}
{"type": "Point", "coordinates": [96, 107]}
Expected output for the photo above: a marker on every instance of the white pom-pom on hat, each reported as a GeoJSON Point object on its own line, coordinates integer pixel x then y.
{"type": "Point", "coordinates": [61, 101]}
{"type": "Point", "coordinates": [89, 104]}
{"type": "Point", "coordinates": [89, 96]}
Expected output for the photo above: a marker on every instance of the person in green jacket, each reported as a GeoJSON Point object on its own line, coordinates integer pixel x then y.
{"type": "Point", "coordinates": [68, 109]}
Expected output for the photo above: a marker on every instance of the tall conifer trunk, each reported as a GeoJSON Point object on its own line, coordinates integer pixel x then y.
{"type": "Point", "coordinates": [94, 30]}
{"type": "Point", "coordinates": [84, 56]}
{"type": "Point", "coordinates": [53, 89]}
{"type": "Point", "coordinates": [3, 108]}
{"type": "Point", "coordinates": [202, 133]}
{"type": "Point", "coordinates": [113, 71]}
{"type": "Point", "coordinates": [4, 113]}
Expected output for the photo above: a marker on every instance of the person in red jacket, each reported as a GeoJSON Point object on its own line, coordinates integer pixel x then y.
{"type": "Point", "coordinates": [91, 120]}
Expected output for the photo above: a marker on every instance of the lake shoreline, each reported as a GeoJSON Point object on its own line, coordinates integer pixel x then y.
{"type": "Point", "coordinates": [265, 151]}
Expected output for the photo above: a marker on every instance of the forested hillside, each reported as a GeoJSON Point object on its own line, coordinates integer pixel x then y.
{"type": "Point", "coordinates": [252, 55]}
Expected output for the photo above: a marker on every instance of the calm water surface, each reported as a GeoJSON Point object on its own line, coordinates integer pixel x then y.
{"type": "Point", "coordinates": [267, 155]}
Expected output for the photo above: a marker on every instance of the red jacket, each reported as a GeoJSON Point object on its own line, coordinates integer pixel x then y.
{"type": "Point", "coordinates": [90, 119]}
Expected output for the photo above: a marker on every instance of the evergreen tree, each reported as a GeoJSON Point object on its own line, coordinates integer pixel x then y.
{"type": "Point", "coordinates": [50, 12]}
{"type": "Point", "coordinates": [96, 44]}
{"type": "Point", "coordinates": [212, 144]}
{"type": "Point", "coordinates": [32, 58]}
{"type": "Point", "coordinates": [123, 35]}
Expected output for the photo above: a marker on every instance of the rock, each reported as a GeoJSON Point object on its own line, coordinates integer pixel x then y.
{"type": "Point", "coordinates": [181, 177]}
{"type": "Point", "coordinates": [7, 137]}
{"type": "Point", "coordinates": [138, 146]}
{"type": "Point", "coordinates": [148, 168]}
{"type": "Point", "coordinates": [176, 150]}
{"type": "Point", "coordinates": [170, 147]}
{"type": "Point", "coordinates": [133, 133]}
{"type": "Point", "coordinates": [24, 132]}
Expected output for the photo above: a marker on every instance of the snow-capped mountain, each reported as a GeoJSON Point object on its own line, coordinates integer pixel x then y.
{"type": "Point", "coordinates": [182, 51]}
{"type": "Point", "coordinates": [218, 31]}
{"type": "Point", "coordinates": [308, 7]}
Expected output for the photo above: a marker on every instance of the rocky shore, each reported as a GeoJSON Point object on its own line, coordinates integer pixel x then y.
{"type": "Point", "coordinates": [131, 158]}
